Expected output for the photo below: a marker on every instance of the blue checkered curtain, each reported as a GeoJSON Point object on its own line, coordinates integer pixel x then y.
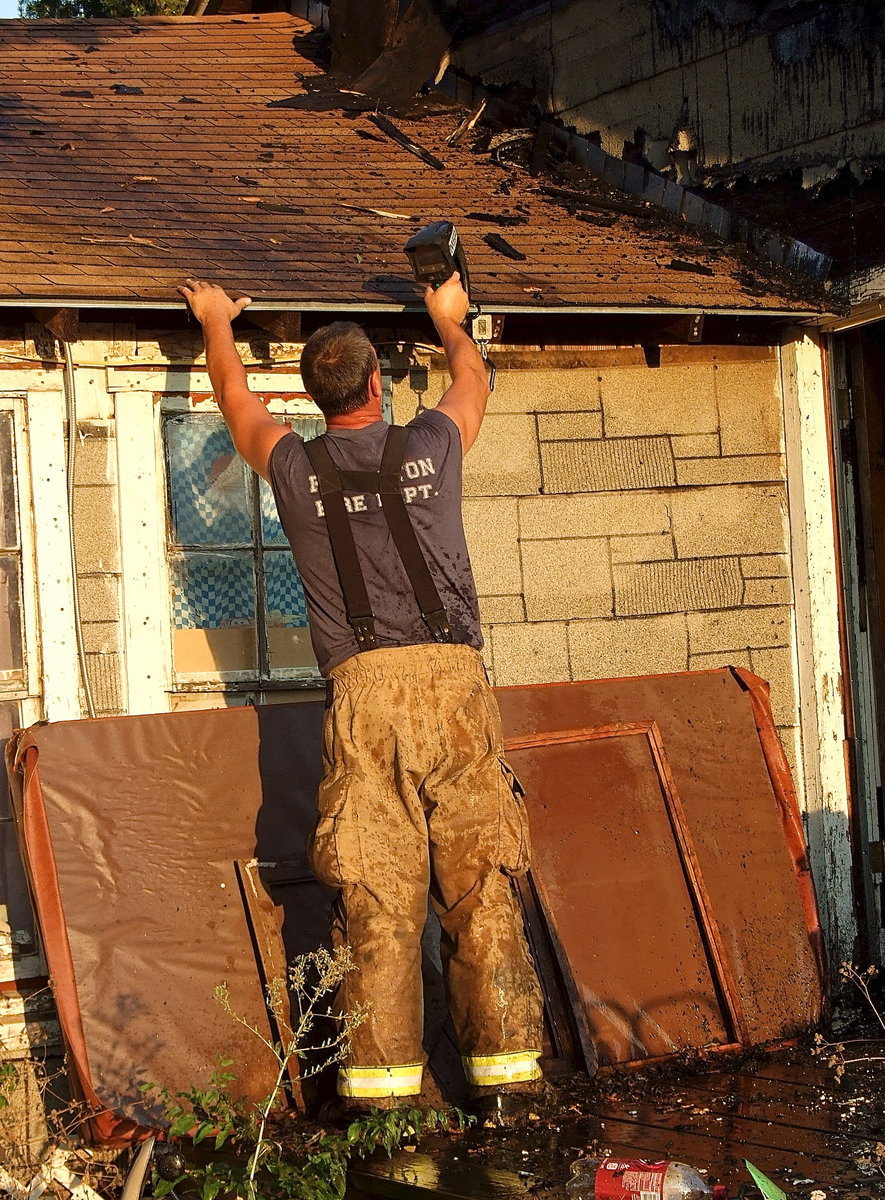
{"type": "Point", "coordinates": [208, 485]}
{"type": "Point", "coordinates": [213, 591]}
{"type": "Point", "coordinates": [284, 595]}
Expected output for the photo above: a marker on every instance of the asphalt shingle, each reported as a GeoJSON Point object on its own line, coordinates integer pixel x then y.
{"type": "Point", "coordinates": [134, 152]}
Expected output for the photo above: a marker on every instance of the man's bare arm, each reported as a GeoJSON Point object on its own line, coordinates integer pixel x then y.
{"type": "Point", "coordinates": [252, 428]}
{"type": "Point", "coordinates": [465, 401]}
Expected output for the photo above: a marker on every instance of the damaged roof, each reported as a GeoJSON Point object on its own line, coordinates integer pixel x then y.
{"type": "Point", "coordinates": [134, 152]}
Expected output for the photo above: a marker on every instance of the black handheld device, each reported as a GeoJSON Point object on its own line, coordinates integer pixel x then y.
{"type": "Point", "coordinates": [435, 253]}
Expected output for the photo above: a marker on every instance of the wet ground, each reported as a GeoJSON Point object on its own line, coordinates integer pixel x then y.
{"type": "Point", "coordinates": [807, 1125]}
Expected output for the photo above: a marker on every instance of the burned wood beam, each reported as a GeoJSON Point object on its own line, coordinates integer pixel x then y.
{"type": "Point", "coordinates": [466, 125]}
{"type": "Point", "coordinates": [416, 50]}
{"type": "Point", "coordinates": [361, 30]}
{"type": "Point", "coordinates": [396, 134]}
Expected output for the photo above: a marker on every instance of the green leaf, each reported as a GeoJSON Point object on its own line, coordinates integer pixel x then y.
{"type": "Point", "coordinates": [181, 1125]}
{"type": "Point", "coordinates": [203, 1132]}
{"type": "Point", "coordinates": [767, 1187]}
{"type": "Point", "coordinates": [163, 1187]}
{"type": "Point", "coordinates": [211, 1188]}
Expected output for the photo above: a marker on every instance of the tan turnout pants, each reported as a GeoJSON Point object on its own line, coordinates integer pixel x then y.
{"type": "Point", "coordinates": [416, 798]}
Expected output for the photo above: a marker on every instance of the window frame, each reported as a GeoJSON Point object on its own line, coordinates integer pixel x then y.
{"type": "Point", "coordinates": [249, 681]}
{"type": "Point", "coordinates": [26, 691]}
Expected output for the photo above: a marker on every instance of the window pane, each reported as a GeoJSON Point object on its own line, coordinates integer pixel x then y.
{"type": "Point", "coordinates": [284, 595]}
{"type": "Point", "coordinates": [208, 493]}
{"type": "Point", "coordinates": [8, 522]}
{"type": "Point", "coordinates": [11, 658]}
{"type": "Point", "coordinates": [288, 638]}
{"type": "Point", "coordinates": [213, 598]}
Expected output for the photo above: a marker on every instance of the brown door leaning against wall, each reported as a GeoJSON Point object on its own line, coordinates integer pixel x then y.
{"type": "Point", "coordinates": [859, 402]}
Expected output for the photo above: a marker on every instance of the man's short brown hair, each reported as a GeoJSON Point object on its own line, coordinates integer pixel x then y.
{"type": "Point", "coordinates": [336, 365]}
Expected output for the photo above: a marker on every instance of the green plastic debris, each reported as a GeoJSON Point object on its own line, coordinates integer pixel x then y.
{"type": "Point", "coordinates": [766, 1186]}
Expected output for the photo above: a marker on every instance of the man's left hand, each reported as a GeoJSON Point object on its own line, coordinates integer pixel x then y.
{"type": "Point", "coordinates": [209, 300]}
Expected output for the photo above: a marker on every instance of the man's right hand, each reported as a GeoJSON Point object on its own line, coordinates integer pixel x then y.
{"type": "Point", "coordinates": [209, 301]}
{"type": "Point", "coordinates": [448, 302]}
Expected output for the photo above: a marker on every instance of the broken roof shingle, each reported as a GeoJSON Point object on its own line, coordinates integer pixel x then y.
{"type": "Point", "coordinates": [134, 152]}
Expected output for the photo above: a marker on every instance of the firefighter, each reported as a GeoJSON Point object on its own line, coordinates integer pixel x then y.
{"type": "Point", "coordinates": [416, 798]}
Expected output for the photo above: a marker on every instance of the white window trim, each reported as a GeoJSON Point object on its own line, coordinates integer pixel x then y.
{"type": "Point", "coordinates": [147, 636]}
{"type": "Point", "coordinates": [49, 534]}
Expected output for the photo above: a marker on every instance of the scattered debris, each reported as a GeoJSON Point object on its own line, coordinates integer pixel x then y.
{"type": "Point", "coordinates": [681, 264]}
{"type": "Point", "coordinates": [499, 218]}
{"type": "Point", "coordinates": [581, 199]}
{"type": "Point", "coordinates": [78, 93]}
{"type": "Point", "coordinates": [190, 100]}
{"type": "Point", "coordinates": [403, 139]}
{"type": "Point", "coordinates": [124, 89]}
{"type": "Point", "coordinates": [496, 242]}
{"type": "Point", "coordinates": [466, 125]}
{"type": "Point", "coordinates": [123, 240]}
{"type": "Point", "coordinates": [377, 212]}
{"type": "Point", "coordinates": [278, 207]}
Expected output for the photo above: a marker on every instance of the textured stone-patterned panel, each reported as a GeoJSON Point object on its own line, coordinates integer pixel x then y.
{"type": "Point", "coordinates": [530, 653]}
{"type": "Point", "coordinates": [560, 426]}
{"type": "Point", "coordinates": [638, 401]}
{"type": "Point", "coordinates": [741, 629]}
{"type": "Point", "coordinates": [741, 468]}
{"type": "Point", "coordinates": [765, 566]}
{"type": "Point", "coordinates": [566, 578]}
{"type": "Point", "coordinates": [732, 519]}
{"type": "Point", "coordinates": [504, 458]}
{"type": "Point", "coordinates": [776, 666]}
{"type": "Point", "coordinates": [720, 658]}
{"type": "Point", "coordinates": [696, 445]}
{"type": "Point", "coordinates": [106, 682]}
{"type": "Point", "coordinates": [608, 465]}
{"type": "Point", "coordinates": [767, 591]}
{"type": "Point", "coordinates": [99, 597]}
{"type": "Point", "coordinates": [101, 637]}
{"type": "Point", "coordinates": [594, 516]}
{"type": "Point", "coordinates": [492, 531]}
{"type": "Point", "coordinates": [499, 610]}
{"type": "Point", "coordinates": [678, 586]}
{"type": "Point", "coordinates": [750, 407]}
{"type": "Point", "coordinates": [96, 455]}
{"type": "Point", "coordinates": [614, 649]}
{"type": "Point", "coordinates": [652, 548]}
{"type": "Point", "coordinates": [95, 527]}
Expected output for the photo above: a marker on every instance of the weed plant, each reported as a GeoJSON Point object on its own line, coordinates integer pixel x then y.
{"type": "Point", "coordinates": [261, 1151]}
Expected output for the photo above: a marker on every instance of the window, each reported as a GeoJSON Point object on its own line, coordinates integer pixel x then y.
{"type": "Point", "coordinates": [12, 657]}
{"type": "Point", "coordinates": [238, 609]}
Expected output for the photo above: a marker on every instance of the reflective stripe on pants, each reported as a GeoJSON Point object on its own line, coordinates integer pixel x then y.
{"type": "Point", "coordinates": [493, 1070]}
{"type": "Point", "coordinates": [374, 1082]}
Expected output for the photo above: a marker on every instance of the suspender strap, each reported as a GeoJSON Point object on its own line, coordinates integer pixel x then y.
{"type": "Point", "coordinates": [386, 484]}
{"type": "Point", "coordinates": [404, 537]}
{"type": "Point", "coordinates": [347, 564]}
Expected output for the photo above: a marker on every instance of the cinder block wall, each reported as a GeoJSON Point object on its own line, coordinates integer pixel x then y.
{"type": "Point", "coordinates": [629, 520]}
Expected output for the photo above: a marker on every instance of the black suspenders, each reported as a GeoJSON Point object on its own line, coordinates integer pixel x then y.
{"type": "Point", "coordinates": [384, 482]}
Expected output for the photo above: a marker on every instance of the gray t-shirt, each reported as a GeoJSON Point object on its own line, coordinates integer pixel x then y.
{"type": "Point", "coordinates": [431, 480]}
